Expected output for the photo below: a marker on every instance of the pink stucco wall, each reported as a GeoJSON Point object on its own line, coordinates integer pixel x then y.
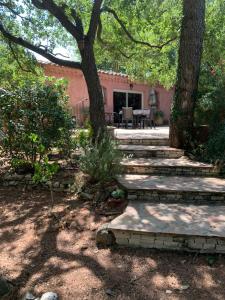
{"type": "Point", "coordinates": [77, 89]}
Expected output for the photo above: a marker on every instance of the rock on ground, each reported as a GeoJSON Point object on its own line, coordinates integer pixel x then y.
{"type": "Point", "coordinates": [49, 296]}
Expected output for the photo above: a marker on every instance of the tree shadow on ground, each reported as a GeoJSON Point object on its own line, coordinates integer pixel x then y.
{"type": "Point", "coordinates": [49, 257]}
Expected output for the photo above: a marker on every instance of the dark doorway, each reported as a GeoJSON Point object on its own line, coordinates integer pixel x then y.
{"type": "Point", "coordinates": [134, 100]}
{"type": "Point", "coordinates": [119, 101]}
{"type": "Point", "coordinates": [125, 99]}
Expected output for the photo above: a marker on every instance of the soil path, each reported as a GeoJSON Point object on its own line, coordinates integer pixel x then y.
{"type": "Point", "coordinates": [58, 253]}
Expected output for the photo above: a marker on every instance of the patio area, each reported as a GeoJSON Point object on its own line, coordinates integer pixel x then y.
{"type": "Point", "coordinates": [161, 132]}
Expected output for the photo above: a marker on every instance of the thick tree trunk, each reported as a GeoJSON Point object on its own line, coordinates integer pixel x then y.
{"type": "Point", "coordinates": [190, 51]}
{"type": "Point", "coordinates": [97, 114]}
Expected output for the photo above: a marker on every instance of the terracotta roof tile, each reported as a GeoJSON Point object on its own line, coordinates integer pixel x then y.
{"type": "Point", "coordinates": [109, 72]}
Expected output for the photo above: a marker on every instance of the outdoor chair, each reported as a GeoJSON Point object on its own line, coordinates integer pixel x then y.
{"type": "Point", "coordinates": [127, 115]}
{"type": "Point", "coordinates": [150, 119]}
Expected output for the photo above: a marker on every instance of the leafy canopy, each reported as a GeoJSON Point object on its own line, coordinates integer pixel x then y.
{"type": "Point", "coordinates": [155, 21]}
{"type": "Point", "coordinates": [129, 36]}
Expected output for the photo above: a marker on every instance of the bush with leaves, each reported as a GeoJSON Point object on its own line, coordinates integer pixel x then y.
{"type": "Point", "coordinates": [100, 159]}
{"type": "Point", "coordinates": [44, 172]}
{"type": "Point", "coordinates": [215, 147]}
{"type": "Point", "coordinates": [210, 109]}
{"type": "Point", "coordinates": [34, 119]}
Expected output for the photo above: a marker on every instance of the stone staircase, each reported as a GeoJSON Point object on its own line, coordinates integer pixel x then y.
{"type": "Point", "coordinates": [174, 203]}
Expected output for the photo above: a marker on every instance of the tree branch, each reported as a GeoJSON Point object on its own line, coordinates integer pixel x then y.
{"type": "Point", "coordinates": [59, 14]}
{"type": "Point", "coordinates": [111, 11]}
{"type": "Point", "coordinates": [109, 45]}
{"type": "Point", "coordinates": [17, 59]}
{"type": "Point", "coordinates": [95, 17]}
{"type": "Point", "coordinates": [7, 5]}
{"type": "Point", "coordinates": [20, 41]}
{"type": "Point", "coordinates": [78, 21]}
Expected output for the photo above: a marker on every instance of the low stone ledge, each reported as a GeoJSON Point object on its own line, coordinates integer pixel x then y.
{"type": "Point", "coordinates": [175, 171]}
{"type": "Point", "coordinates": [169, 241]}
{"type": "Point", "coordinates": [177, 197]}
{"type": "Point", "coordinates": [149, 142]}
{"type": "Point", "coordinates": [58, 185]}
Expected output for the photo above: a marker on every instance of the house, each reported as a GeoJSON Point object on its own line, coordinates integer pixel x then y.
{"type": "Point", "coordinates": [118, 91]}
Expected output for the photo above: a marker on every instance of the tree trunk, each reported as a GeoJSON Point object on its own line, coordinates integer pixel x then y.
{"type": "Point", "coordinates": [97, 114]}
{"type": "Point", "coordinates": [190, 51]}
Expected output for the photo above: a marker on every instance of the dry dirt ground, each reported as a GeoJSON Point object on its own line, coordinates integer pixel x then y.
{"type": "Point", "coordinates": [44, 252]}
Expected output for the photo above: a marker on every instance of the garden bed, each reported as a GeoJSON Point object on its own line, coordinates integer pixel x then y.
{"type": "Point", "coordinates": [63, 180]}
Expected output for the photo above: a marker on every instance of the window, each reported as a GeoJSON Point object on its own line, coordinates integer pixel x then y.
{"type": "Point", "coordinates": [126, 99]}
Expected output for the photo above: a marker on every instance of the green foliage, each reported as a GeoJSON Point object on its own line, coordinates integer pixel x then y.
{"type": "Point", "coordinates": [34, 119]}
{"type": "Point", "coordinates": [215, 147]}
{"type": "Point", "coordinates": [100, 160]}
{"type": "Point", "coordinates": [214, 40]}
{"type": "Point", "coordinates": [84, 138]}
{"type": "Point", "coordinates": [21, 166]}
{"type": "Point", "coordinates": [152, 21]}
{"type": "Point", "coordinates": [118, 194]}
{"type": "Point", "coordinates": [16, 73]}
{"type": "Point", "coordinates": [159, 114]}
{"type": "Point", "coordinates": [155, 21]}
{"type": "Point", "coordinates": [211, 260]}
{"type": "Point", "coordinates": [211, 101]}
{"type": "Point", "coordinates": [44, 170]}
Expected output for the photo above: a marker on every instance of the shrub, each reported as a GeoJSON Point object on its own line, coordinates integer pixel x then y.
{"type": "Point", "coordinates": [210, 111]}
{"type": "Point", "coordinates": [44, 172]}
{"type": "Point", "coordinates": [101, 160]}
{"type": "Point", "coordinates": [215, 147]}
{"type": "Point", "coordinates": [34, 119]}
{"type": "Point", "coordinates": [210, 107]}
{"type": "Point", "coordinates": [159, 114]}
{"type": "Point", "coordinates": [84, 138]}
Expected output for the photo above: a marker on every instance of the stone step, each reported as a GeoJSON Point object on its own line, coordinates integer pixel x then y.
{"type": "Point", "coordinates": [143, 151]}
{"type": "Point", "coordinates": [170, 189]}
{"type": "Point", "coordinates": [171, 226]}
{"type": "Point", "coordinates": [165, 166]}
{"type": "Point", "coordinates": [144, 141]}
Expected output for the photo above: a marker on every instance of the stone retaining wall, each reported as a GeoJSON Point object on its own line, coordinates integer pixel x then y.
{"type": "Point", "coordinates": [176, 197]}
{"type": "Point", "coordinates": [172, 171]}
{"type": "Point", "coordinates": [170, 241]}
{"type": "Point", "coordinates": [60, 185]}
{"type": "Point", "coordinates": [149, 142]}
{"type": "Point", "coordinates": [153, 153]}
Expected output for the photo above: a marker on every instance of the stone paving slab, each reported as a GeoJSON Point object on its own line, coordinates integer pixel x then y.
{"type": "Point", "coordinates": [164, 162]}
{"type": "Point", "coordinates": [148, 148]}
{"type": "Point", "coordinates": [172, 183]}
{"type": "Point", "coordinates": [178, 219]}
{"type": "Point", "coordinates": [150, 142]}
{"type": "Point", "coordinates": [141, 151]}
{"type": "Point", "coordinates": [158, 132]}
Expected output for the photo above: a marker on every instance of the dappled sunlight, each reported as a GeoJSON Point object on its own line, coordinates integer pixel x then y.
{"type": "Point", "coordinates": [172, 218]}
{"type": "Point", "coordinates": [158, 132]}
{"type": "Point", "coordinates": [172, 183]}
{"type": "Point", "coordinates": [166, 282]}
{"type": "Point", "coordinates": [44, 256]}
{"type": "Point", "coordinates": [207, 281]}
{"type": "Point", "coordinates": [182, 162]}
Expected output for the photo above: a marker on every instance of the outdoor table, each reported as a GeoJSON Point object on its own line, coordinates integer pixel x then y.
{"type": "Point", "coordinates": [139, 115]}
